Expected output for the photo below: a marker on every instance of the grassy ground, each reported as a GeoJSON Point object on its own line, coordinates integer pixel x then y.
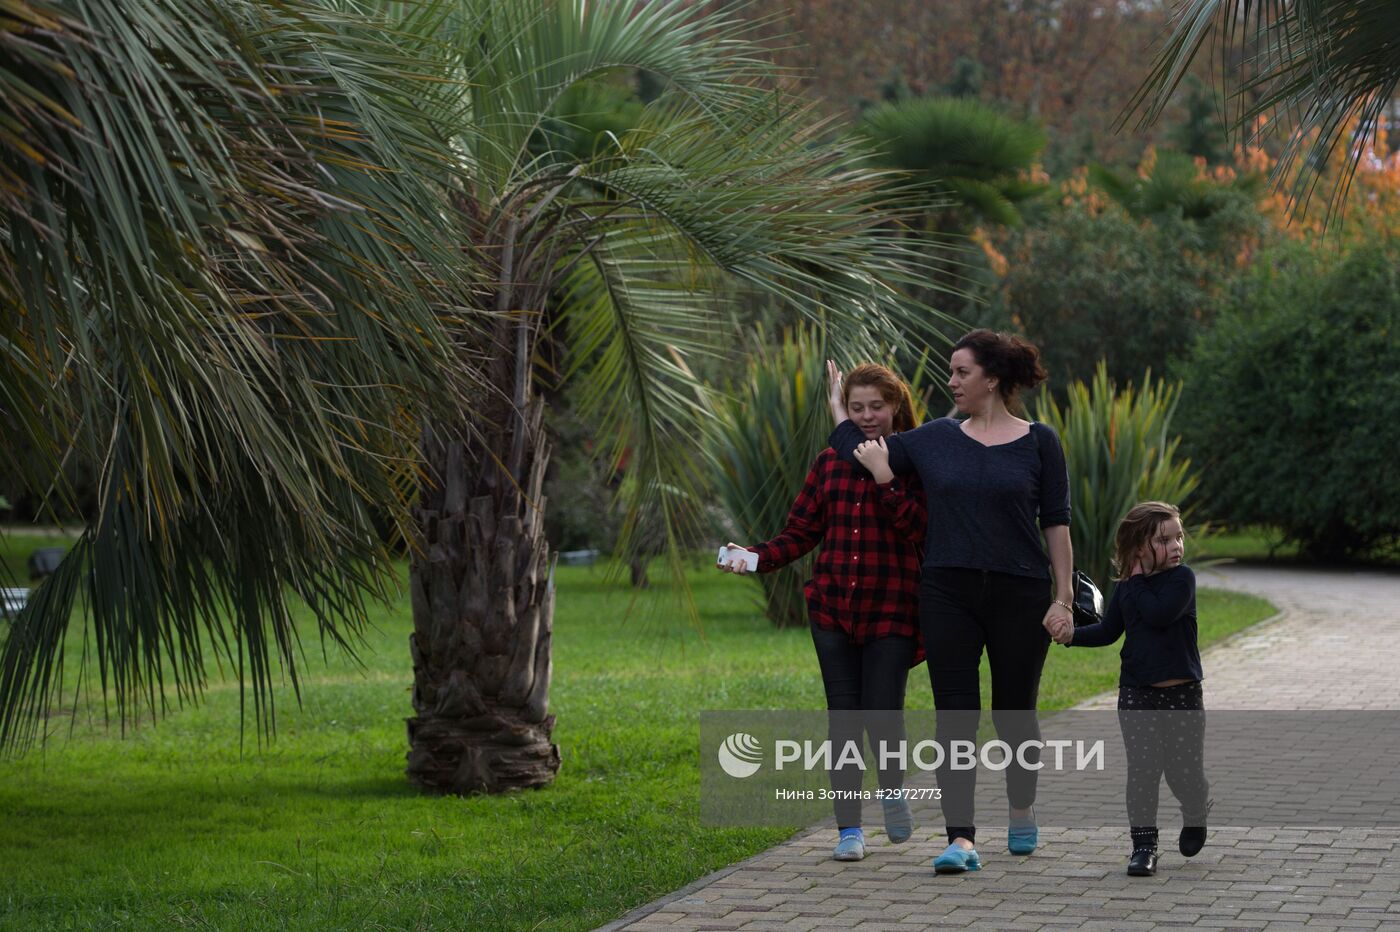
{"type": "Point", "coordinates": [1250, 543]}
{"type": "Point", "coordinates": [1266, 545]}
{"type": "Point", "coordinates": [175, 825]}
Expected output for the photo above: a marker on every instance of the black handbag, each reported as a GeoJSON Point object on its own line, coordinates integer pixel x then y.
{"type": "Point", "coordinates": [1088, 600]}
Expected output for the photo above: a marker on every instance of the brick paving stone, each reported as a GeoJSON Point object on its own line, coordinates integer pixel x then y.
{"type": "Point", "coordinates": [1245, 879]}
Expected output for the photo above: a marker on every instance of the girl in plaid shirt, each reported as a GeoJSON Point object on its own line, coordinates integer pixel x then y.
{"type": "Point", "coordinates": [862, 598]}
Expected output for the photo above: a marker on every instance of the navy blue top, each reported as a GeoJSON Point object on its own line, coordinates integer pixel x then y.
{"type": "Point", "coordinates": [983, 501]}
{"type": "Point", "coordinates": [1159, 614]}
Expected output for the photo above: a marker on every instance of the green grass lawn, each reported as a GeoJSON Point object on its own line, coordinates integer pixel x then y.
{"type": "Point", "coordinates": [1259, 544]}
{"type": "Point", "coordinates": [1249, 543]}
{"type": "Point", "coordinates": [176, 825]}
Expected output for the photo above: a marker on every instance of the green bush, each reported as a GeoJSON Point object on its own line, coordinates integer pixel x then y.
{"type": "Point", "coordinates": [767, 429]}
{"type": "Point", "coordinates": [1120, 451]}
{"type": "Point", "coordinates": [1292, 401]}
{"type": "Point", "coordinates": [1129, 270]}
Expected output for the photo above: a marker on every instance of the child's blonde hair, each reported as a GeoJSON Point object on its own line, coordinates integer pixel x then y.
{"type": "Point", "coordinates": [1136, 530]}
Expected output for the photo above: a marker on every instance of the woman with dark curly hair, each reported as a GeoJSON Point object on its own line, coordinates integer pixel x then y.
{"type": "Point", "coordinates": [987, 583]}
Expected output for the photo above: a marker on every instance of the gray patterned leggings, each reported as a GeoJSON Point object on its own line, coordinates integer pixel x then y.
{"type": "Point", "coordinates": [1164, 732]}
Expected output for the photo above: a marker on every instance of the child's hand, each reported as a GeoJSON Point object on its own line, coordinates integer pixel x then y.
{"type": "Point", "coordinates": [875, 456]}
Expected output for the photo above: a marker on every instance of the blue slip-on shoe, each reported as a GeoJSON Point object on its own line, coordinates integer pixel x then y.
{"type": "Point", "coordinates": [957, 860]}
{"type": "Point", "coordinates": [1022, 834]}
{"type": "Point", "coordinates": [899, 820]}
{"type": "Point", "coordinates": [850, 848]}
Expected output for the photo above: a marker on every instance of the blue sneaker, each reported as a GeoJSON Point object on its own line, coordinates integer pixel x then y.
{"type": "Point", "coordinates": [899, 820]}
{"type": "Point", "coordinates": [851, 847]}
{"type": "Point", "coordinates": [957, 860]}
{"type": "Point", "coordinates": [1022, 834]}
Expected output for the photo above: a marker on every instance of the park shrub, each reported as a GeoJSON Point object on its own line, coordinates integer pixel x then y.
{"type": "Point", "coordinates": [1126, 269]}
{"type": "Point", "coordinates": [1120, 450]}
{"type": "Point", "coordinates": [1292, 401]}
{"type": "Point", "coordinates": [769, 426]}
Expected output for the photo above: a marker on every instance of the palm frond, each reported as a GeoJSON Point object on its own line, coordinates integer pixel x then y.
{"type": "Point", "coordinates": [232, 280]}
{"type": "Point", "coordinates": [1312, 71]}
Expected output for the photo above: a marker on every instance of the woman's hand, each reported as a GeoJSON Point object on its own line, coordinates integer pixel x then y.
{"type": "Point", "coordinates": [875, 456]}
{"type": "Point", "coordinates": [735, 564]}
{"type": "Point", "coordinates": [1059, 621]}
{"type": "Point", "coordinates": [838, 395]}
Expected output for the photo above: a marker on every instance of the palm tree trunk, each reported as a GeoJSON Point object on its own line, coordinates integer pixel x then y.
{"type": "Point", "coordinates": [483, 609]}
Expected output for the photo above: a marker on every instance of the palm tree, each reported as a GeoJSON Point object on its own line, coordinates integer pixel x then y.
{"type": "Point", "coordinates": [625, 255]}
{"type": "Point", "coordinates": [229, 289]}
{"type": "Point", "coordinates": [1327, 65]}
{"type": "Point", "coordinates": [275, 268]}
{"type": "Point", "coordinates": [976, 158]}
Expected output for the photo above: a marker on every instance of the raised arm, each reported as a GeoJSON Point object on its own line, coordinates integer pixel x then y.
{"type": "Point", "coordinates": [1159, 601]}
{"type": "Point", "coordinates": [837, 397]}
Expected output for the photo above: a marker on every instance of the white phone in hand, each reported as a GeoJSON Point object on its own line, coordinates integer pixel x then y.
{"type": "Point", "coordinates": [750, 558]}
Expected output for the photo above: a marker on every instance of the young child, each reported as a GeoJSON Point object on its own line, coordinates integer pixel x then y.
{"type": "Point", "coordinates": [1155, 603]}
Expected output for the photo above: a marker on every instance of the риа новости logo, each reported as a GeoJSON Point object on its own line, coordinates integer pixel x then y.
{"type": "Point", "coordinates": [740, 755]}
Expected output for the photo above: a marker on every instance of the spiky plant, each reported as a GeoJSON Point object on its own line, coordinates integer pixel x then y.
{"type": "Point", "coordinates": [1120, 451]}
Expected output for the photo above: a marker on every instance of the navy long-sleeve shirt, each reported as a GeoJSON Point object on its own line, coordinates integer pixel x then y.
{"type": "Point", "coordinates": [983, 501]}
{"type": "Point", "coordinates": [1158, 613]}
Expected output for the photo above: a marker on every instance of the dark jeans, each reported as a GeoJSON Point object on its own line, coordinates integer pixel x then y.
{"type": "Point", "coordinates": [961, 612]}
{"type": "Point", "coordinates": [1164, 732]}
{"type": "Point", "coordinates": [862, 677]}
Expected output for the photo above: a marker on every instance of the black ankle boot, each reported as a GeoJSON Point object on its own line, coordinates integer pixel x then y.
{"type": "Point", "coordinates": [1143, 861]}
{"type": "Point", "coordinates": [1193, 837]}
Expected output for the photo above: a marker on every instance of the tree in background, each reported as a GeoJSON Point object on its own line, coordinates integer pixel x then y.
{"type": "Point", "coordinates": [1062, 65]}
{"type": "Point", "coordinates": [1319, 70]}
{"type": "Point", "coordinates": [1201, 132]}
{"type": "Point", "coordinates": [1130, 279]}
{"type": "Point", "coordinates": [1292, 404]}
{"type": "Point", "coordinates": [979, 159]}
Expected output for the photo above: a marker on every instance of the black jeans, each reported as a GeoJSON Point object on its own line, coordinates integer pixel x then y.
{"type": "Point", "coordinates": [961, 612]}
{"type": "Point", "coordinates": [1164, 732]}
{"type": "Point", "coordinates": [862, 677]}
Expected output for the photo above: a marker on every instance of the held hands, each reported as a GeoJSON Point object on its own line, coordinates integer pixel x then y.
{"type": "Point", "coordinates": [1059, 621]}
{"type": "Point", "coordinates": [838, 396]}
{"type": "Point", "coordinates": [735, 563]}
{"type": "Point", "coordinates": [875, 456]}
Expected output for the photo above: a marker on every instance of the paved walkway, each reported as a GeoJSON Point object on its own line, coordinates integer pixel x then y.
{"type": "Point", "coordinates": [1334, 645]}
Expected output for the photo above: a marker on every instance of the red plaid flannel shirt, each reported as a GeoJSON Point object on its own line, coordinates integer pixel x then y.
{"type": "Point", "coordinates": [866, 577]}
